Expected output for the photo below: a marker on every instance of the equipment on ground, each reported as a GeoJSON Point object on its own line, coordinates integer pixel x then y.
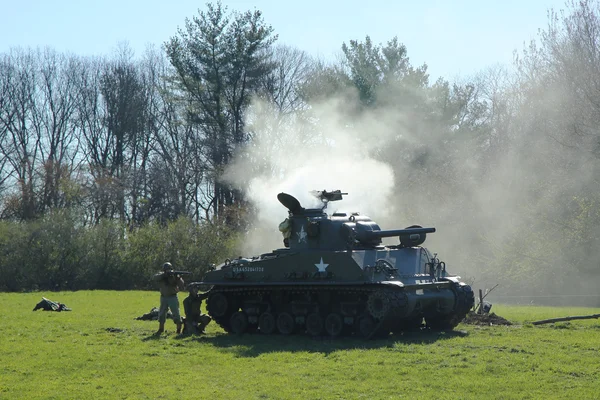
{"type": "Point", "coordinates": [49, 305]}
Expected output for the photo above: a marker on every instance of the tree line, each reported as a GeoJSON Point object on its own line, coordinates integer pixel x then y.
{"type": "Point", "coordinates": [121, 150]}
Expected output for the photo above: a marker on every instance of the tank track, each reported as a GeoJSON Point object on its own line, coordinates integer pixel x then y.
{"type": "Point", "coordinates": [366, 311]}
{"type": "Point", "coordinates": [465, 299]}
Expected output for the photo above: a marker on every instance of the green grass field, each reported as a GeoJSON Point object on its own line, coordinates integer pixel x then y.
{"type": "Point", "coordinates": [99, 350]}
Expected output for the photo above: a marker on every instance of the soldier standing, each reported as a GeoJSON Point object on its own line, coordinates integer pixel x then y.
{"type": "Point", "coordinates": [170, 284]}
{"type": "Point", "coordinates": [195, 321]}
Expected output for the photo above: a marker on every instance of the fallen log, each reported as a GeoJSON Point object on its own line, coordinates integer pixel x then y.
{"type": "Point", "coordinates": [551, 320]}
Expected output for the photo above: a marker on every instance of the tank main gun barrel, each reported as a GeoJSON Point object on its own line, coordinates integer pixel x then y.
{"type": "Point", "coordinates": [408, 237]}
{"type": "Point", "coordinates": [398, 232]}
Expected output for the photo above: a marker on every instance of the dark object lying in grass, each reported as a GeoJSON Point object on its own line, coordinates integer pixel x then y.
{"type": "Point", "coordinates": [485, 319]}
{"type": "Point", "coordinates": [49, 305]}
{"type": "Point", "coordinates": [153, 315]}
{"type": "Point", "coordinates": [570, 318]}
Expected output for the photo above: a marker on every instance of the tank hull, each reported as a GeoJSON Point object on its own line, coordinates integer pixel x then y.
{"type": "Point", "coordinates": [335, 294]}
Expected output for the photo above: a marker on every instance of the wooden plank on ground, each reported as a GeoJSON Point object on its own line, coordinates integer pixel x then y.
{"type": "Point", "coordinates": [551, 320]}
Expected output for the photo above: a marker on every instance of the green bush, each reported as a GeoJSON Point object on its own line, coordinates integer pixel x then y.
{"type": "Point", "coordinates": [55, 253]}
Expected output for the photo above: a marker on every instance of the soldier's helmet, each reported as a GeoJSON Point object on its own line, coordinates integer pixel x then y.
{"type": "Point", "coordinates": [167, 266]}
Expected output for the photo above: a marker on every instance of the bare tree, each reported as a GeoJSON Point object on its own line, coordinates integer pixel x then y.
{"type": "Point", "coordinates": [7, 113]}
{"type": "Point", "coordinates": [55, 125]}
{"type": "Point", "coordinates": [562, 71]}
{"type": "Point", "coordinates": [112, 115]}
{"type": "Point", "coordinates": [176, 181]}
{"type": "Point", "coordinates": [282, 85]}
{"type": "Point", "coordinates": [20, 144]}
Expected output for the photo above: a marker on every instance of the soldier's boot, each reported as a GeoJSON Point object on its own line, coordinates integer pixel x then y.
{"type": "Point", "coordinates": [178, 328]}
{"type": "Point", "coordinates": [161, 328]}
{"type": "Point", "coordinates": [186, 327]}
{"type": "Point", "coordinates": [204, 321]}
{"type": "Point", "coordinates": [190, 327]}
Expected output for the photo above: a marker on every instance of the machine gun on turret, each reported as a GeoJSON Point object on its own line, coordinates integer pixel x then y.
{"type": "Point", "coordinates": [326, 196]}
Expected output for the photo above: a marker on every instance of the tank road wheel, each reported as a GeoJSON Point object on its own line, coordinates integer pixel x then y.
{"type": "Point", "coordinates": [334, 324]}
{"type": "Point", "coordinates": [238, 322]}
{"type": "Point", "coordinates": [266, 323]}
{"type": "Point", "coordinates": [378, 304]}
{"type": "Point", "coordinates": [217, 305]}
{"type": "Point", "coordinates": [366, 326]}
{"type": "Point", "coordinates": [314, 324]}
{"type": "Point", "coordinates": [286, 323]}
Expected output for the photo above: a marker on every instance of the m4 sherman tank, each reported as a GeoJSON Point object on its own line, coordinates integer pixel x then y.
{"type": "Point", "coordinates": [335, 277]}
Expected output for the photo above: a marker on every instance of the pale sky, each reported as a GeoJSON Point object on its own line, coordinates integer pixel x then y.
{"type": "Point", "coordinates": [456, 38]}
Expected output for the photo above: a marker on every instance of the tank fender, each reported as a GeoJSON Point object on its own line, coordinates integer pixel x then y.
{"type": "Point", "coordinates": [393, 283]}
{"type": "Point", "coordinates": [453, 279]}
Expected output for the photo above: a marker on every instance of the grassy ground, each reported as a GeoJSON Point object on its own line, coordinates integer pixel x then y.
{"type": "Point", "coordinates": [99, 350]}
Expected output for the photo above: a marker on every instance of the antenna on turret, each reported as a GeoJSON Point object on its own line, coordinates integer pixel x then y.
{"type": "Point", "coordinates": [326, 196]}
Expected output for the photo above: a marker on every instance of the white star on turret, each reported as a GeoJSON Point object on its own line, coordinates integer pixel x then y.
{"type": "Point", "coordinates": [301, 235]}
{"type": "Point", "coordinates": [322, 267]}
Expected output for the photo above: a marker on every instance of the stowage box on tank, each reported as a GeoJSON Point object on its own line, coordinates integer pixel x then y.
{"type": "Point", "coordinates": [335, 277]}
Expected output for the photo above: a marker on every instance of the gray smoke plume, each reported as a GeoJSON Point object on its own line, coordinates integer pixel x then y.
{"type": "Point", "coordinates": [294, 155]}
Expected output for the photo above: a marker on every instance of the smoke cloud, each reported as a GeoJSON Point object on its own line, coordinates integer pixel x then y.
{"type": "Point", "coordinates": [289, 155]}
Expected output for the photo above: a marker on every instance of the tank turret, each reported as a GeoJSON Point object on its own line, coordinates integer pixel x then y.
{"type": "Point", "coordinates": [314, 229]}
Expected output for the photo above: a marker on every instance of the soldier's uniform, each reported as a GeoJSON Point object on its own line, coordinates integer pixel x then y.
{"type": "Point", "coordinates": [170, 284]}
{"type": "Point", "coordinates": [195, 321]}
{"type": "Point", "coordinates": [286, 230]}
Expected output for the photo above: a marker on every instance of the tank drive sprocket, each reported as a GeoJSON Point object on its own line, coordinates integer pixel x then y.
{"type": "Point", "coordinates": [379, 303]}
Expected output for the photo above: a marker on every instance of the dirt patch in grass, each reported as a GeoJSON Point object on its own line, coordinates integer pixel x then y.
{"type": "Point", "coordinates": [490, 319]}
